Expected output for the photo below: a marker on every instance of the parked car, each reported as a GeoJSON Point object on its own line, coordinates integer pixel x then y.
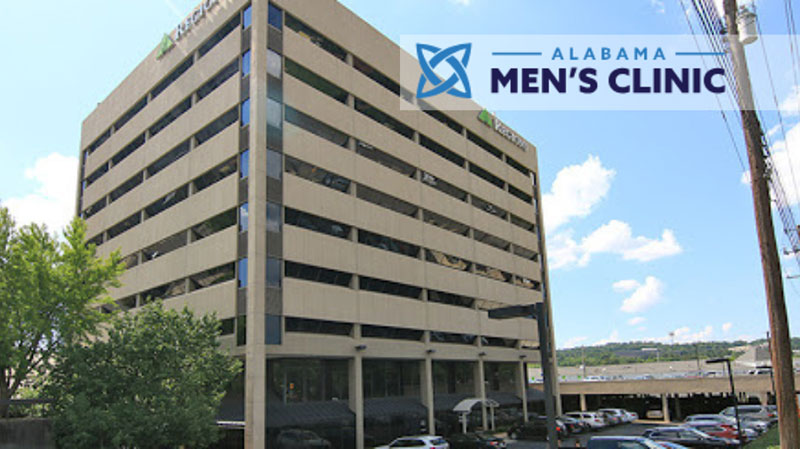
{"type": "Point", "coordinates": [748, 424]}
{"type": "Point", "coordinates": [611, 418]}
{"type": "Point", "coordinates": [690, 438]}
{"type": "Point", "coordinates": [632, 416]}
{"type": "Point", "coordinates": [627, 442]}
{"type": "Point", "coordinates": [718, 430]}
{"type": "Point", "coordinates": [535, 429]}
{"type": "Point", "coordinates": [573, 425]}
{"type": "Point", "coordinates": [301, 439]}
{"type": "Point", "coordinates": [475, 441]}
{"type": "Point", "coordinates": [620, 414]}
{"type": "Point", "coordinates": [418, 442]}
{"type": "Point", "coordinates": [751, 422]}
{"type": "Point", "coordinates": [594, 420]}
{"type": "Point", "coordinates": [669, 445]}
{"type": "Point", "coordinates": [759, 412]}
{"type": "Point", "coordinates": [759, 371]}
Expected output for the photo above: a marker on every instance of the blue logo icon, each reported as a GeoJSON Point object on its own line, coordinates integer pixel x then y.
{"type": "Point", "coordinates": [459, 70]}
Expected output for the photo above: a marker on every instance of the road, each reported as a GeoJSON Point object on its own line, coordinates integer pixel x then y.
{"type": "Point", "coordinates": [635, 429]}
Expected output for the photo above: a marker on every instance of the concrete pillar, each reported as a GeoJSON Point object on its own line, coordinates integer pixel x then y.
{"type": "Point", "coordinates": [678, 415]}
{"type": "Point", "coordinates": [763, 398]}
{"type": "Point", "coordinates": [426, 384]}
{"type": "Point", "coordinates": [583, 402]}
{"type": "Point", "coordinates": [356, 396]}
{"type": "Point", "coordinates": [480, 390]}
{"type": "Point", "coordinates": [522, 388]}
{"type": "Point", "coordinates": [665, 407]}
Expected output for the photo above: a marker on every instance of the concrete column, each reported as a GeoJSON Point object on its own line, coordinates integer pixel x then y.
{"type": "Point", "coordinates": [763, 398]}
{"type": "Point", "coordinates": [480, 390]}
{"type": "Point", "coordinates": [583, 403]}
{"type": "Point", "coordinates": [665, 407]}
{"type": "Point", "coordinates": [522, 388]}
{"type": "Point", "coordinates": [356, 399]}
{"type": "Point", "coordinates": [678, 414]}
{"type": "Point", "coordinates": [426, 390]}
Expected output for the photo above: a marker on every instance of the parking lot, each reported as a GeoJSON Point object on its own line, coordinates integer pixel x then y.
{"type": "Point", "coordinates": [636, 428]}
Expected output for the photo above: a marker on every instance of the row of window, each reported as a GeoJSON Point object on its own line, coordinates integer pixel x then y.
{"type": "Point", "coordinates": [245, 20]}
{"type": "Point", "coordinates": [392, 86]}
{"type": "Point", "coordinates": [333, 181]}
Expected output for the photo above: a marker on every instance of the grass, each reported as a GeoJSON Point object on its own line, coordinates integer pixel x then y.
{"type": "Point", "coordinates": [770, 440]}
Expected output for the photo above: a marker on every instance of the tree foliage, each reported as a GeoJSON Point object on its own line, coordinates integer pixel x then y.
{"type": "Point", "coordinates": [625, 353]}
{"type": "Point", "coordinates": [50, 291]}
{"type": "Point", "coordinates": [156, 380]}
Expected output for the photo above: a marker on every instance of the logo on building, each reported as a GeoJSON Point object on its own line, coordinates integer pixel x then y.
{"type": "Point", "coordinates": [165, 46]}
{"type": "Point", "coordinates": [500, 128]}
{"type": "Point", "coordinates": [437, 56]}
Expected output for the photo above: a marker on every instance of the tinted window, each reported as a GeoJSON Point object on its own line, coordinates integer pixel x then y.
{"type": "Point", "coordinates": [388, 287]}
{"type": "Point", "coordinates": [441, 150]}
{"type": "Point", "coordinates": [385, 159]}
{"type": "Point", "coordinates": [215, 175]}
{"type": "Point", "coordinates": [317, 274]}
{"type": "Point", "coordinates": [242, 273]}
{"type": "Point", "coordinates": [169, 79]}
{"type": "Point", "coordinates": [317, 175]}
{"type": "Point", "coordinates": [243, 217]}
{"type": "Point", "coordinates": [387, 201]}
{"type": "Point", "coordinates": [318, 224]}
{"type": "Point", "coordinates": [486, 176]}
{"type": "Point", "coordinates": [274, 64]}
{"type": "Point", "coordinates": [273, 217]}
{"type": "Point", "coordinates": [246, 63]}
{"type": "Point", "coordinates": [273, 272]}
{"type": "Point", "coordinates": [164, 246]}
{"type": "Point", "coordinates": [218, 79]}
{"type": "Point", "coordinates": [219, 35]}
{"type": "Point", "coordinates": [315, 38]}
{"type": "Point", "coordinates": [215, 127]}
{"type": "Point", "coordinates": [171, 116]}
{"type": "Point", "coordinates": [167, 159]}
{"type": "Point", "coordinates": [316, 127]}
{"type": "Point", "coordinates": [130, 113]}
{"type": "Point", "coordinates": [393, 333]}
{"type": "Point", "coordinates": [167, 201]}
{"type": "Point", "coordinates": [443, 186]}
{"type": "Point", "coordinates": [212, 277]}
{"type": "Point", "coordinates": [387, 243]}
{"type": "Point", "coordinates": [244, 113]}
{"type": "Point", "coordinates": [309, 326]}
{"type": "Point", "coordinates": [247, 17]}
{"type": "Point", "coordinates": [317, 82]}
{"type": "Point", "coordinates": [384, 119]}
{"type": "Point", "coordinates": [244, 164]}
{"type": "Point", "coordinates": [275, 16]}
{"type": "Point", "coordinates": [126, 187]}
{"type": "Point", "coordinates": [444, 223]}
{"type": "Point", "coordinates": [274, 164]}
{"type": "Point", "coordinates": [214, 224]}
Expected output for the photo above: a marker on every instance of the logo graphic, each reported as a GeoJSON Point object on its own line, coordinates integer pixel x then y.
{"type": "Point", "coordinates": [486, 118]}
{"type": "Point", "coordinates": [459, 70]}
{"type": "Point", "coordinates": [165, 46]}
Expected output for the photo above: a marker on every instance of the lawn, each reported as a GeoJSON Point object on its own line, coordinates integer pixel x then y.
{"type": "Point", "coordinates": [770, 440]}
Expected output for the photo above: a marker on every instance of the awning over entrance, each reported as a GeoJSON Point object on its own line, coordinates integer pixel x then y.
{"type": "Point", "coordinates": [504, 399]}
{"type": "Point", "coordinates": [398, 406]}
{"type": "Point", "coordinates": [446, 402]}
{"type": "Point", "coordinates": [306, 414]}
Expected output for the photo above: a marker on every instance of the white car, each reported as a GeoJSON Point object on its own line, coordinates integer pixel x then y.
{"type": "Point", "coordinates": [621, 414]}
{"type": "Point", "coordinates": [418, 442]}
{"type": "Point", "coordinates": [594, 420]}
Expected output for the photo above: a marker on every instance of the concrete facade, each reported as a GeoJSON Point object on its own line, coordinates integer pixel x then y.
{"type": "Point", "coordinates": [396, 230]}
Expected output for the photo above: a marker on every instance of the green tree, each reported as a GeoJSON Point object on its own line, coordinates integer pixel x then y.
{"type": "Point", "coordinates": [155, 381]}
{"type": "Point", "coordinates": [50, 293]}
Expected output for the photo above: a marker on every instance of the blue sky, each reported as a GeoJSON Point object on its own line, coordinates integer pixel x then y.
{"type": "Point", "coordinates": [651, 228]}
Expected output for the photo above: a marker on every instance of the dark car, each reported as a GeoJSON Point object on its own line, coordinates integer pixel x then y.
{"type": "Point", "coordinates": [690, 438]}
{"type": "Point", "coordinates": [475, 441]}
{"type": "Point", "coordinates": [301, 439]}
{"type": "Point", "coordinates": [534, 429]}
{"type": "Point", "coordinates": [573, 425]}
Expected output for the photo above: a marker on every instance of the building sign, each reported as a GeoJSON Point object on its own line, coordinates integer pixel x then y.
{"type": "Point", "coordinates": [493, 122]}
{"type": "Point", "coordinates": [199, 13]}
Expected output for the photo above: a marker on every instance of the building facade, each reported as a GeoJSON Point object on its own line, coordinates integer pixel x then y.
{"type": "Point", "coordinates": [258, 165]}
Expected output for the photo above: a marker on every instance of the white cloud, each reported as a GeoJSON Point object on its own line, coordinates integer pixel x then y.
{"type": "Point", "coordinates": [614, 237]}
{"type": "Point", "coordinates": [790, 105]}
{"type": "Point", "coordinates": [461, 2]}
{"type": "Point", "coordinates": [613, 338]}
{"type": "Point", "coordinates": [644, 297]}
{"type": "Point", "coordinates": [637, 320]}
{"type": "Point", "coordinates": [574, 341]}
{"type": "Point", "coordinates": [685, 335]}
{"type": "Point", "coordinates": [53, 201]}
{"type": "Point", "coordinates": [625, 286]}
{"type": "Point", "coordinates": [727, 327]}
{"type": "Point", "coordinates": [659, 6]}
{"type": "Point", "coordinates": [575, 191]}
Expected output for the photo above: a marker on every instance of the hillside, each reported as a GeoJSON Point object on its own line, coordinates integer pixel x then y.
{"type": "Point", "coordinates": [632, 352]}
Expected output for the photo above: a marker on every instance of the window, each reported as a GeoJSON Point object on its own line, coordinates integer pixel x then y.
{"type": "Point", "coordinates": [243, 217]}
{"type": "Point", "coordinates": [317, 274]}
{"type": "Point", "coordinates": [387, 243]}
{"type": "Point", "coordinates": [169, 200]}
{"type": "Point", "coordinates": [218, 36]}
{"type": "Point", "coordinates": [517, 166]}
{"type": "Point", "coordinates": [167, 159]}
{"type": "Point", "coordinates": [214, 224]}
{"type": "Point", "coordinates": [99, 141]}
{"type": "Point", "coordinates": [493, 273]}
{"type": "Point", "coordinates": [273, 272]}
{"type": "Point", "coordinates": [489, 207]}
{"type": "Point", "coordinates": [444, 223]}
{"type": "Point", "coordinates": [126, 187]}
{"type": "Point", "coordinates": [124, 225]}
{"type": "Point", "coordinates": [272, 327]}
{"type": "Point", "coordinates": [486, 176]}
{"type": "Point", "coordinates": [247, 17]}
{"type": "Point", "coordinates": [384, 119]}
{"type": "Point", "coordinates": [215, 175]}
{"type": "Point", "coordinates": [126, 303]}
{"type": "Point", "coordinates": [318, 224]}
{"type": "Point", "coordinates": [97, 174]}
{"type": "Point", "coordinates": [308, 326]}
{"type": "Point", "coordinates": [388, 287]}
{"type": "Point", "coordinates": [171, 116]}
{"type": "Point", "coordinates": [241, 273]}
{"type": "Point", "coordinates": [316, 127]}
{"type": "Point", "coordinates": [214, 276]}
{"type": "Point", "coordinates": [391, 333]}
{"type": "Point", "coordinates": [130, 260]}
{"type": "Point", "coordinates": [315, 38]}
{"type": "Point", "coordinates": [491, 240]}
{"type": "Point", "coordinates": [524, 282]}
{"type": "Point", "coordinates": [128, 149]}
{"type": "Point", "coordinates": [215, 127]}
{"type": "Point", "coordinates": [317, 82]}
{"type": "Point", "coordinates": [175, 288]}
{"type": "Point", "coordinates": [499, 342]}
{"type": "Point", "coordinates": [450, 299]}
{"type": "Point", "coordinates": [385, 159]}
{"type": "Point", "coordinates": [444, 186]}
{"type": "Point", "coordinates": [441, 151]}
{"type": "Point", "coordinates": [227, 326]}
{"type": "Point", "coordinates": [96, 240]}
{"type": "Point", "coordinates": [245, 113]}
{"type": "Point", "coordinates": [127, 116]}
{"type": "Point", "coordinates": [388, 83]}
{"type": "Point", "coordinates": [274, 165]}
{"type": "Point", "coordinates": [525, 253]}
{"type": "Point", "coordinates": [438, 257]}
{"type": "Point", "coordinates": [520, 194]}
{"type": "Point", "coordinates": [275, 16]}
{"type": "Point", "coordinates": [218, 79]}
{"type": "Point", "coordinates": [317, 175]}
{"type": "Point", "coordinates": [241, 330]}
{"type": "Point", "coordinates": [274, 114]}
{"type": "Point", "coordinates": [244, 164]}
{"type": "Point", "coordinates": [437, 115]}
{"type": "Point", "coordinates": [489, 148]}
{"type": "Point", "coordinates": [386, 201]}
{"type": "Point", "coordinates": [274, 64]}
{"type": "Point", "coordinates": [94, 208]}
{"type": "Point", "coordinates": [164, 246]}
{"type": "Point", "coordinates": [273, 217]}
{"type": "Point", "coordinates": [447, 337]}
{"type": "Point", "coordinates": [246, 63]}
{"type": "Point", "coordinates": [174, 75]}
{"type": "Point", "coordinates": [523, 223]}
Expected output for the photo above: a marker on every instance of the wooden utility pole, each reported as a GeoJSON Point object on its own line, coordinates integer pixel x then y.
{"type": "Point", "coordinates": [759, 178]}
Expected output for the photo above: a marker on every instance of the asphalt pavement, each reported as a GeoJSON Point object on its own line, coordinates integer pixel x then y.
{"type": "Point", "coordinates": [580, 440]}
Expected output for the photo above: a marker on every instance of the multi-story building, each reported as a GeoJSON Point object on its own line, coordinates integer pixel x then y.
{"type": "Point", "coordinates": [258, 165]}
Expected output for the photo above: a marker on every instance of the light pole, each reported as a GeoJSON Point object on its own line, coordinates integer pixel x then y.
{"type": "Point", "coordinates": [727, 362]}
{"type": "Point", "coordinates": [658, 353]}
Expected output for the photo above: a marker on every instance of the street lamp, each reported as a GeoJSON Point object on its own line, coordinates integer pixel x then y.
{"type": "Point", "coordinates": [727, 362]}
{"type": "Point", "coordinates": [658, 353]}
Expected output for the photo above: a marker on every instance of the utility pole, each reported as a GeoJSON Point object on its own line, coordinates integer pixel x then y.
{"type": "Point", "coordinates": [776, 305]}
